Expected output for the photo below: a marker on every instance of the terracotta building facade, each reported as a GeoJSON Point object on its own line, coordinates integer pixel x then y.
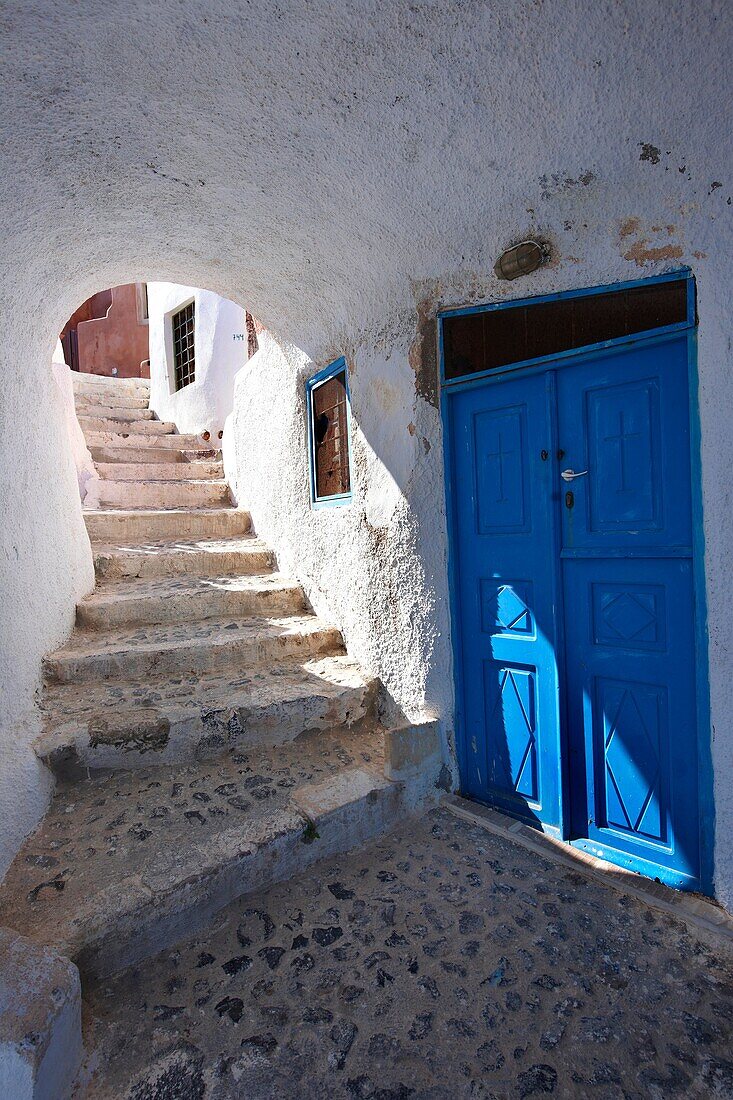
{"type": "Point", "coordinates": [108, 334]}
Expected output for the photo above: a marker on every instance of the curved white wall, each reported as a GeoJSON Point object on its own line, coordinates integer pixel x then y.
{"type": "Point", "coordinates": [46, 562]}
{"type": "Point", "coordinates": [206, 402]}
{"type": "Point", "coordinates": [368, 169]}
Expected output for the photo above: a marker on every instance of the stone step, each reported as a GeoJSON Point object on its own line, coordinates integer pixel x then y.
{"type": "Point", "coordinates": [110, 400]}
{"type": "Point", "coordinates": [188, 647]}
{"type": "Point", "coordinates": [106, 384]}
{"type": "Point", "coordinates": [110, 412]}
{"type": "Point", "coordinates": [167, 720]}
{"type": "Point", "coordinates": [187, 599]}
{"type": "Point", "coordinates": [201, 557]}
{"type": "Point", "coordinates": [161, 471]}
{"type": "Point", "coordinates": [138, 526]}
{"type": "Point", "coordinates": [93, 425]}
{"type": "Point", "coordinates": [163, 494]}
{"type": "Point", "coordinates": [127, 863]}
{"type": "Point", "coordinates": [150, 455]}
{"type": "Point", "coordinates": [134, 441]}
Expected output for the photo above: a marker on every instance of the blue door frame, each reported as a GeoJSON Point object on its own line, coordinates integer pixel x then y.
{"type": "Point", "coordinates": [541, 366]}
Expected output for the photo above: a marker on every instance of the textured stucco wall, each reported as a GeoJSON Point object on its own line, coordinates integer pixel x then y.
{"type": "Point", "coordinates": [204, 404]}
{"type": "Point", "coordinates": [46, 561]}
{"type": "Point", "coordinates": [375, 566]}
{"type": "Point", "coordinates": [86, 473]}
{"type": "Point", "coordinates": [209, 149]}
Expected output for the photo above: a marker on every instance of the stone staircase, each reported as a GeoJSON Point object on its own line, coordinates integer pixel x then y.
{"type": "Point", "coordinates": [208, 733]}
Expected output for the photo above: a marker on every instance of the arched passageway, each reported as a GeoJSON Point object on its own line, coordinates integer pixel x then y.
{"type": "Point", "coordinates": [345, 173]}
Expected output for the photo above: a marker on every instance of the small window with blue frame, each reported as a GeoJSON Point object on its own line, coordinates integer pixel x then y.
{"type": "Point", "coordinates": [329, 426]}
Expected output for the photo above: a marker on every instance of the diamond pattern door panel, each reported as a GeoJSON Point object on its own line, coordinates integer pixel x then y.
{"type": "Point", "coordinates": [506, 607]}
{"type": "Point", "coordinates": [631, 727]}
{"type": "Point", "coordinates": [511, 719]}
{"type": "Point", "coordinates": [630, 616]}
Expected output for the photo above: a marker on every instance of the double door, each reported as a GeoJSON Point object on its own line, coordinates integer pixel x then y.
{"type": "Point", "coordinates": [574, 596]}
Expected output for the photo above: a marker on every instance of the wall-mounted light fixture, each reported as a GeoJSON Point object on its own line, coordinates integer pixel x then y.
{"type": "Point", "coordinates": [521, 259]}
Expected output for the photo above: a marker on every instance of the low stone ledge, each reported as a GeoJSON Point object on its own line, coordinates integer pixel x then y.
{"type": "Point", "coordinates": [410, 749]}
{"type": "Point", "coordinates": [40, 1021]}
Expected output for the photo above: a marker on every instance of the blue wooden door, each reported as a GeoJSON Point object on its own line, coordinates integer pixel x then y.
{"type": "Point", "coordinates": [577, 695]}
{"type": "Point", "coordinates": [510, 753]}
{"type": "Point", "coordinates": [627, 578]}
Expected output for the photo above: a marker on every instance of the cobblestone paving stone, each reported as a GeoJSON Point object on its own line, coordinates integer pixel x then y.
{"type": "Point", "coordinates": [439, 962]}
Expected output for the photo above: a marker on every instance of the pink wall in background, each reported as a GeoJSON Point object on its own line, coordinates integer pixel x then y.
{"type": "Point", "coordinates": [117, 339]}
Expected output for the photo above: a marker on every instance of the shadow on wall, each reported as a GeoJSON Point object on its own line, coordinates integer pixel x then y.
{"type": "Point", "coordinates": [375, 564]}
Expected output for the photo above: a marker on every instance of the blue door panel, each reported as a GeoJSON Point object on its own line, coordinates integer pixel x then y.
{"type": "Point", "coordinates": [575, 603]}
{"type": "Point", "coordinates": [631, 711]}
{"type": "Point", "coordinates": [624, 417]}
{"type": "Point", "coordinates": [509, 750]}
{"type": "Point", "coordinates": [630, 687]}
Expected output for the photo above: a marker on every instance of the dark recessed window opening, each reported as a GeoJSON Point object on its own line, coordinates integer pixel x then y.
{"type": "Point", "coordinates": [328, 425]}
{"type": "Point", "coordinates": [184, 357]}
{"type": "Point", "coordinates": [493, 338]}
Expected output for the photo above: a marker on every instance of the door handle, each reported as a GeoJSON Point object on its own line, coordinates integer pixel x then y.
{"type": "Point", "coordinates": [570, 475]}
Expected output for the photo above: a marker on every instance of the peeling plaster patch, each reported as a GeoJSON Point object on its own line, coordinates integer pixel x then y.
{"type": "Point", "coordinates": [649, 152]}
{"type": "Point", "coordinates": [641, 254]}
{"type": "Point", "coordinates": [700, 255]}
{"type": "Point", "coordinates": [411, 428]}
{"type": "Point", "coordinates": [628, 227]}
{"type": "Point", "coordinates": [644, 250]}
{"type": "Point", "coordinates": [423, 354]}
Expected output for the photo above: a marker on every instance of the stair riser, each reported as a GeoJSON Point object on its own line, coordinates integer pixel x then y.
{"type": "Point", "coordinates": [93, 424]}
{"type": "Point", "coordinates": [108, 412]}
{"type": "Point", "coordinates": [98, 387]}
{"type": "Point", "coordinates": [150, 527]}
{"type": "Point", "coordinates": [148, 456]}
{"type": "Point", "coordinates": [121, 439]}
{"type": "Point", "coordinates": [170, 494]}
{"type": "Point", "coordinates": [215, 603]}
{"type": "Point", "coordinates": [164, 921]}
{"type": "Point", "coordinates": [154, 738]}
{"type": "Point", "coordinates": [202, 563]}
{"type": "Point", "coordinates": [158, 471]}
{"type": "Point", "coordinates": [109, 401]}
{"type": "Point", "coordinates": [202, 655]}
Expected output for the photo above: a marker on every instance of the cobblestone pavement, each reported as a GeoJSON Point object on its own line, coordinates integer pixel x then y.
{"type": "Point", "coordinates": [439, 962]}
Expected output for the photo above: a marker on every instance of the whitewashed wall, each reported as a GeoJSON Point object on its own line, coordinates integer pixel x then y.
{"type": "Point", "coordinates": [45, 560]}
{"type": "Point", "coordinates": [342, 209]}
{"type": "Point", "coordinates": [205, 403]}
{"type": "Point", "coordinates": [376, 565]}
{"type": "Point", "coordinates": [86, 473]}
